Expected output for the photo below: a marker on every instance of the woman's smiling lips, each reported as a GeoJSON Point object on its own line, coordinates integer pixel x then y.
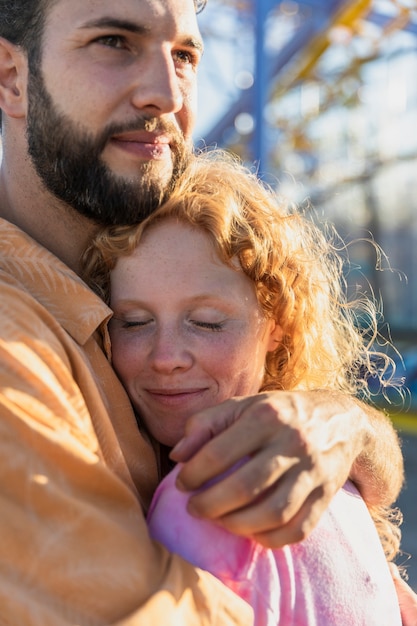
{"type": "Point", "coordinates": [148, 146]}
{"type": "Point", "coordinates": [173, 397]}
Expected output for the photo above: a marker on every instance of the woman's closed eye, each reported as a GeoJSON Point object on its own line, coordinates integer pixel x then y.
{"type": "Point", "coordinates": [212, 326]}
{"type": "Point", "coordinates": [132, 323]}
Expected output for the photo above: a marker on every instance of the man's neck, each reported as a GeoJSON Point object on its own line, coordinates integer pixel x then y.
{"type": "Point", "coordinates": [51, 223]}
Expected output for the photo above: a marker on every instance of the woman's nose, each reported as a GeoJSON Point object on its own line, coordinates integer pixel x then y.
{"type": "Point", "coordinates": [170, 352]}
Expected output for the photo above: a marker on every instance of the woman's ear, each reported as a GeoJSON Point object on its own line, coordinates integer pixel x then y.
{"type": "Point", "coordinates": [13, 79]}
{"type": "Point", "coordinates": [275, 336]}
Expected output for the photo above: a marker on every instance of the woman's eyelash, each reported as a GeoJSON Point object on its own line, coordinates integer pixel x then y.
{"type": "Point", "coordinates": [209, 325]}
{"type": "Point", "coordinates": [213, 326]}
{"type": "Point", "coordinates": [133, 324]}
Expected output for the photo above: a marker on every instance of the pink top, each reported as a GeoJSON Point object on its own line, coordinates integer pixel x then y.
{"type": "Point", "coordinates": [338, 576]}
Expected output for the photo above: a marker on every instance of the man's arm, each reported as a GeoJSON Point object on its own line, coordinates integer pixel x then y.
{"type": "Point", "coordinates": [300, 449]}
{"type": "Point", "coordinates": [74, 547]}
{"type": "Point", "coordinates": [378, 470]}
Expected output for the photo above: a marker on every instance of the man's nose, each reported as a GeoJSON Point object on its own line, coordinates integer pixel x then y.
{"type": "Point", "coordinates": [159, 87]}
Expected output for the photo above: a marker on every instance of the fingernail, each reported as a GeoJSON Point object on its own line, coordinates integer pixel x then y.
{"type": "Point", "coordinates": [177, 449]}
{"type": "Point", "coordinates": [192, 510]}
{"type": "Point", "coordinates": [179, 484]}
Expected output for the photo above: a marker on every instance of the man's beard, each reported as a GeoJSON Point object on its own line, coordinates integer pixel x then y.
{"type": "Point", "coordinates": [68, 162]}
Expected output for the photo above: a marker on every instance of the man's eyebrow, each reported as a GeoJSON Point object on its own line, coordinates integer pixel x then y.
{"type": "Point", "coordinates": [197, 44]}
{"type": "Point", "coordinates": [139, 29]}
{"type": "Point", "coordinates": [114, 22]}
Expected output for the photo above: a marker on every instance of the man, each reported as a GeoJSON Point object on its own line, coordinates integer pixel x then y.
{"type": "Point", "coordinates": [98, 107]}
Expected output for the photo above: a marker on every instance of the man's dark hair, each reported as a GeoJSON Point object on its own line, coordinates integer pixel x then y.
{"type": "Point", "coordinates": [21, 22]}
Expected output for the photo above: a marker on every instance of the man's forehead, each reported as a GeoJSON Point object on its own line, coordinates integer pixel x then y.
{"type": "Point", "coordinates": [146, 14]}
{"type": "Point", "coordinates": [152, 8]}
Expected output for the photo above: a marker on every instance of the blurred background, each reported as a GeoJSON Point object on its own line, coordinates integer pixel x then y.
{"type": "Point", "coordinates": [320, 96]}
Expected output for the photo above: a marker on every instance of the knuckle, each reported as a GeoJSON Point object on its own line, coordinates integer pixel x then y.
{"type": "Point", "coordinates": [297, 534]}
{"type": "Point", "coordinates": [279, 512]}
{"type": "Point", "coordinates": [305, 529]}
{"type": "Point", "coordinates": [268, 413]}
{"type": "Point", "coordinates": [245, 490]}
{"type": "Point", "coordinates": [213, 457]}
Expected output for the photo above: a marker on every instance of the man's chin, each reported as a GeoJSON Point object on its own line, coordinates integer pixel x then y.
{"type": "Point", "coordinates": [133, 170]}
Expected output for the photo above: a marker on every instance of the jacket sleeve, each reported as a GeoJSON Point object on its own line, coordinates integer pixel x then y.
{"type": "Point", "coordinates": [74, 547]}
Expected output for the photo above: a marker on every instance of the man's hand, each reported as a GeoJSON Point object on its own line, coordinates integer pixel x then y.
{"type": "Point", "coordinates": [299, 449]}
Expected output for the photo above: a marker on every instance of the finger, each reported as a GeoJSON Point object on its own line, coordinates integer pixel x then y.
{"type": "Point", "coordinates": [284, 529]}
{"type": "Point", "coordinates": [247, 436]}
{"type": "Point", "coordinates": [292, 502]}
{"type": "Point", "coordinates": [244, 485]}
{"type": "Point", "coordinates": [206, 425]}
{"type": "Point", "coordinates": [298, 527]}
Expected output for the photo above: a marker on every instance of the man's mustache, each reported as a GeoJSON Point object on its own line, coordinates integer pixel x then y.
{"type": "Point", "coordinates": [146, 123]}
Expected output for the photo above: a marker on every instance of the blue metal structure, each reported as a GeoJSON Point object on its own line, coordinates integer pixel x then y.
{"type": "Point", "coordinates": [268, 70]}
{"type": "Point", "coordinates": [320, 15]}
{"type": "Point", "coordinates": [319, 21]}
{"type": "Point", "coordinates": [368, 183]}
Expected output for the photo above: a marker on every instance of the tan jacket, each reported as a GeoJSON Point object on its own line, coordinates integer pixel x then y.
{"type": "Point", "coordinates": [74, 469]}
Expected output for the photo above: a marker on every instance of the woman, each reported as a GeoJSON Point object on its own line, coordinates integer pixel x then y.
{"type": "Point", "coordinates": [224, 292]}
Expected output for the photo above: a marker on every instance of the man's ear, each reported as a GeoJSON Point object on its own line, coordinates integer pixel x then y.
{"type": "Point", "coordinates": [13, 79]}
{"type": "Point", "coordinates": [275, 337]}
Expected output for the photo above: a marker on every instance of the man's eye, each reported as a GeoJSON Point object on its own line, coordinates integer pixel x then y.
{"type": "Point", "coordinates": [112, 41]}
{"type": "Point", "coordinates": [186, 57]}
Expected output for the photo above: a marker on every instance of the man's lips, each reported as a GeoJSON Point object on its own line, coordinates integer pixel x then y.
{"type": "Point", "coordinates": [143, 144]}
